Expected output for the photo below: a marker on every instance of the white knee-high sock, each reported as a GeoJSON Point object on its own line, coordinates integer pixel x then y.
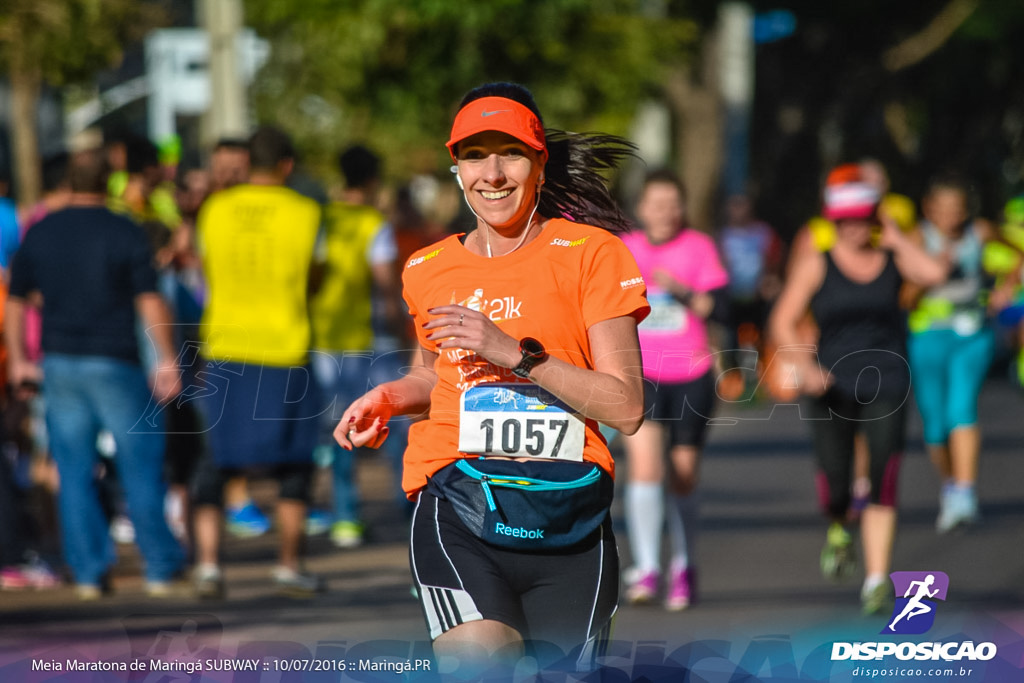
{"type": "Point", "coordinates": [682, 529]}
{"type": "Point", "coordinates": [645, 514]}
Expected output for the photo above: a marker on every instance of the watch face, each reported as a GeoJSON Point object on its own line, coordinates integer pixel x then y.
{"type": "Point", "coordinates": [531, 347]}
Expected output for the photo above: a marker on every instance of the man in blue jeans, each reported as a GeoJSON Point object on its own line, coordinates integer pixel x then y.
{"type": "Point", "coordinates": [92, 271]}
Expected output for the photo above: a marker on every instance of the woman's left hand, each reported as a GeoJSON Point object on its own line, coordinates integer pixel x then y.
{"type": "Point", "coordinates": [458, 327]}
{"type": "Point", "coordinates": [1001, 296]}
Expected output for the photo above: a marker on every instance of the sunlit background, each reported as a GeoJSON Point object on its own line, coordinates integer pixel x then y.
{"type": "Point", "coordinates": [758, 98]}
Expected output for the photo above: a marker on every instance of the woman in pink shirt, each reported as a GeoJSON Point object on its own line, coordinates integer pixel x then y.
{"type": "Point", "coordinates": [685, 286]}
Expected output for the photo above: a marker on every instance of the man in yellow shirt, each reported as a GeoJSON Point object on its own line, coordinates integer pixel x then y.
{"type": "Point", "coordinates": [256, 241]}
{"type": "Point", "coordinates": [355, 312]}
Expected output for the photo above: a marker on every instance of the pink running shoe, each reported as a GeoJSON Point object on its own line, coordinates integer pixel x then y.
{"type": "Point", "coordinates": [33, 574]}
{"type": "Point", "coordinates": [681, 590]}
{"type": "Point", "coordinates": [644, 588]}
{"type": "Point", "coordinates": [13, 578]}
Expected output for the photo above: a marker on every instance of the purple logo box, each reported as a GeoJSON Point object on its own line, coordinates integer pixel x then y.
{"type": "Point", "coordinates": [916, 594]}
{"type": "Point", "coordinates": [901, 582]}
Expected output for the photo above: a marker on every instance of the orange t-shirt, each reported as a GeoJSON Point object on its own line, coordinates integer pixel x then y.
{"type": "Point", "coordinates": [553, 289]}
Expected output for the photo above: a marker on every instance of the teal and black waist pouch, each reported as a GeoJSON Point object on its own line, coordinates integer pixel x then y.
{"type": "Point", "coordinates": [526, 505]}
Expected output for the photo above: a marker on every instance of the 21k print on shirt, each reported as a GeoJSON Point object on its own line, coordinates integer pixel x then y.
{"type": "Point", "coordinates": [554, 289]}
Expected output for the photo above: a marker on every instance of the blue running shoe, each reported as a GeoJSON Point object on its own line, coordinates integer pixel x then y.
{"type": "Point", "coordinates": [247, 521]}
{"type": "Point", "coordinates": [318, 522]}
{"type": "Point", "coordinates": [958, 508]}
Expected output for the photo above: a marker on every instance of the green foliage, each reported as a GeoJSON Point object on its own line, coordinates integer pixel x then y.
{"type": "Point", "coordinates": [390, 72]}
{"type": "Point", "coordinates": [67, 41]}
{"type": "Point", "coordinates": [995, 22]}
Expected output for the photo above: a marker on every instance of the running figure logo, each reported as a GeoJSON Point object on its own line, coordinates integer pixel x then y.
{"type": "Point", "coordinates": [916, 593]}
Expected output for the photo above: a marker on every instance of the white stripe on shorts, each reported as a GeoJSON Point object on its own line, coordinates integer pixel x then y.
{"type": "Point", "coordinates": [445, 608]}
{"type": "Point", "coordinates": [596, 643]}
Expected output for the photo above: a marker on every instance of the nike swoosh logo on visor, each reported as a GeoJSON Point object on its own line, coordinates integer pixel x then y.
{"type": "Point", "coordinates": [492, 113]}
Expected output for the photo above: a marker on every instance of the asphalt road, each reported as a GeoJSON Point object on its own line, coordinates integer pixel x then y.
{"type": "Point", "coordinates": [764, 611]}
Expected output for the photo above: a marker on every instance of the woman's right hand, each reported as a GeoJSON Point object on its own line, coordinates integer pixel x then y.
{"type": "Point", "coordinates": [813, 379]}
{"type": "Point", "coordinates": [365, 422]}
{"type": "Point", "coordinates": [793, 371]}
{"type": "Point", "coordinates": [25, 377]}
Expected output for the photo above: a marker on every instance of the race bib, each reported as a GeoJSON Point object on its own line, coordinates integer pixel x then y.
{"type": "Point", "coordinates": [518, 421]}
{"type": "Point", "coordinates": [667, 314]}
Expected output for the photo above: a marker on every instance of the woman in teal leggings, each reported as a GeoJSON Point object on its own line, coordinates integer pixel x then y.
{"type": "Point", "coordinates": [951, 346]}
{"type": "Point", "coordinates": [948, 372]}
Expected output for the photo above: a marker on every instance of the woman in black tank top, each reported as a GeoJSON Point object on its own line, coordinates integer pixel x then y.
{"type": "Point", "coordinates": [862, 332]}
{"type": "Point", "coordinates": [857, 378]}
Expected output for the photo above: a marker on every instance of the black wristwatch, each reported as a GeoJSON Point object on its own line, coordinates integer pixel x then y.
{"type": "Point", "coordinates": [533, 353]}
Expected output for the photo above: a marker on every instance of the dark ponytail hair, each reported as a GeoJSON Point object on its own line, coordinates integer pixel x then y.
{"type": "Point", "coordinates": [573, 185]}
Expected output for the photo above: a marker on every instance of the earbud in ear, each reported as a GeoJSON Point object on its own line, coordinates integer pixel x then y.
{"type": "Point", "coordinates": [540, 180]}
{"type": "Point", "coordinates": [455, 171]}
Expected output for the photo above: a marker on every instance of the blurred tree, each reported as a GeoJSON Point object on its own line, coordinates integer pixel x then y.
{"type": "Point", "coordinates": [390, 72]}
{"type": "Point", "coordinates": [919, 86]}
{"type": "Point", "coordinates": [59, 42]}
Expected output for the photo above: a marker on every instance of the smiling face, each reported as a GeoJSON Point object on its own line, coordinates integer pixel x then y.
{"type": "Point", "coordinates": [500, 177]}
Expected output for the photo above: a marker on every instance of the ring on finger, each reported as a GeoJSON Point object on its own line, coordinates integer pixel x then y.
{"type": "Point", "coordinates": [461, 316]}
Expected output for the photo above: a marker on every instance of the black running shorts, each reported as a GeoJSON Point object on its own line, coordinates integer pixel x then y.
{"type": "Point", "coordinates": [566, 597]}
{"type": "Point", "coordinates": [682, 408]}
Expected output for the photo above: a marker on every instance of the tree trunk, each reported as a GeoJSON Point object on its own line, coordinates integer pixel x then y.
{"type": "Point", "coordinates": [26, 85]}
{"type": "Point", "coordinates": [697, 109]}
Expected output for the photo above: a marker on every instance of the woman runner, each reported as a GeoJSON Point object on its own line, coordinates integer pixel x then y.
{"type": "Point", "coordinates": [527, 326]}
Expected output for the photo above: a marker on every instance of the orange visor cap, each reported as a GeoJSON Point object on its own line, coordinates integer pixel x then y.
{"type": "Point", "coordinates": [500, 114]}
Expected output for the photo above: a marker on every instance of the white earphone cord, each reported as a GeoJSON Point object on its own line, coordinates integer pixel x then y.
{"type": "Point", "coordinates": [487, 234]}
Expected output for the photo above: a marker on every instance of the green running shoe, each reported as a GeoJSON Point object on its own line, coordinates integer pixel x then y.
{"type": "Point", "coordinates": [838, 559]}
{"type": "Point", "coordinates": [878, 600]}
